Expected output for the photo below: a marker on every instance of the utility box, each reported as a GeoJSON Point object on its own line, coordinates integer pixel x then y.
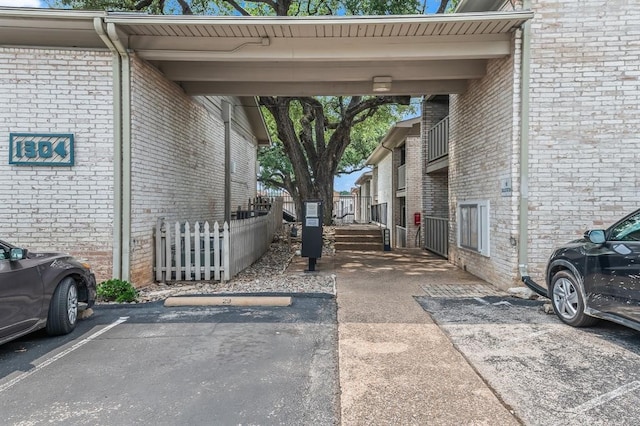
{"type": "Point", "coordinates": [386, 232]}
{"type": "Point", "coordinates": [312, 231]}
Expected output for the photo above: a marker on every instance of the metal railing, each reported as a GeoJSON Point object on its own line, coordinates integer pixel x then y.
{"type": "Point", "coordinates": [344, 209]}
{"type": "Point", "coordinates": [379, 213]}
{"type": "Point", "coordinates": [402, 176]}
{"type": "Point", "coordinates": [438, 145]}
{"type": "Point", "coordinates": [437, 235]}
{"type": "Point", "coordinates": [401, 236]}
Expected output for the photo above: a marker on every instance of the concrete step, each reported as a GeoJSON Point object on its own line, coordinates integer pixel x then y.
{"type": "Point", "coordinates": [358, 246]}
{"type": "Point", "coordinates": [356, 238]}
{"type": "Point", "coordinates": [348, 230]}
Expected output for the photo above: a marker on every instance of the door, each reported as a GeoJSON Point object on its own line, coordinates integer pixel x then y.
{"type": "Point", "coordinates": [21, 293]}
{"type": "Point", "coordinates": [614, 271]}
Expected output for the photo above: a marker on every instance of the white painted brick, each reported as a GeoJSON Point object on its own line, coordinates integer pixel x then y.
{"type": "Point", "coordinates": [46, 208]}
{"type": "Point", "coordinates": [584, 132]}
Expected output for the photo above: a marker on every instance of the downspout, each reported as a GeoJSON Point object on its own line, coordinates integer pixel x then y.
{"type": "Point", "coordinates": [122, 148]}
{"type": "Point", "coordinates": [226, 118]}
{"type": "Point", "coordinates": [125, 190]}
{"type": "Point", "coordinates": [525, 75]}
{"type": "Point", "coordinates": [98, 25]}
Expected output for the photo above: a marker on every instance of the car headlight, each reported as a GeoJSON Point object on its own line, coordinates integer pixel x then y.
{"type": "Point", "coordinates": [86, 265]}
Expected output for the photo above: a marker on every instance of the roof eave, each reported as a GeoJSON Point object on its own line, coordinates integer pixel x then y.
{"type": "Point", "coordinates": [256, 120]}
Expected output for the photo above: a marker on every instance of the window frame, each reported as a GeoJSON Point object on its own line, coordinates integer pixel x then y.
{"type": "Point", "coordinates": [481, 212]}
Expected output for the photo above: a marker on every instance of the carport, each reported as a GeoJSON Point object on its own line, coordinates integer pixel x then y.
{"type": "Point", "coordinates": [252, 56]}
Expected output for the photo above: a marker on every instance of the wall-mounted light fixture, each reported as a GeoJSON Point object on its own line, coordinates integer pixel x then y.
{"type": "Point", "coordinates": [381, 84]}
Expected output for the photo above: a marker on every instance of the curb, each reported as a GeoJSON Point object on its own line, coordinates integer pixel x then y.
{"type": "Point", "coordinates": [227, 301]}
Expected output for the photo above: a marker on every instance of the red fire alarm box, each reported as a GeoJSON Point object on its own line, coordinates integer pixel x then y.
{"type": "Point", "coordinates": [416, 219]}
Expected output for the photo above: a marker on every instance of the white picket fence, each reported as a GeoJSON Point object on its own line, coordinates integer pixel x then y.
{"type": "Point", "coordinates": [195, 253]}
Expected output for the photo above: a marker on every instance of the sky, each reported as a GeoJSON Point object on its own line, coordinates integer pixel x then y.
{"type": "Point", "coordinates": [22, 3]}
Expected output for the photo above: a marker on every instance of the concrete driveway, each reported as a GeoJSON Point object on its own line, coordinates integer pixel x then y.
{"type": "Point", "coordinates": [148, 364]}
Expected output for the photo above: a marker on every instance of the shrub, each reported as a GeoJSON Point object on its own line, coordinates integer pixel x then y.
{"type": "Point", "coordinates": [115, 290]}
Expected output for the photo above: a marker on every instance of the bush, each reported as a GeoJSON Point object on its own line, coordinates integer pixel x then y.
{"type": "Point", "coordinates": [116, 290]}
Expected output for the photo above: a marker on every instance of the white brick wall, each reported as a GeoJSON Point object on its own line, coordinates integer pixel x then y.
{"type": "Point", "coordinates": [413, 170]}
{"type": "Point", "coordinates": [178, 161]}
{"type": "Point", "coordinates": [585, 120]}
{"type": "Point", "coordinates": [584, 134]}
{"type": "Point", "coordinates": [482, 151]}
{"type": "Point", "coordinates": [68, 209]}
{"type": "Point", "coordinates": [384, 189]}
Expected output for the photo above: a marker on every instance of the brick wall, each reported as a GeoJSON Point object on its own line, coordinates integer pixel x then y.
{"type": "Point", "coordinates": [384, 189]}
{"type": "Point", "coordinates": [178, 162]}
{"type": "Point", "coordinates": [482, 151]}
{"type": "Point", "coordinates": [413, 170]}
{"type": "Point", "coordinates": [585, 120]}
{"type": "Point", "coordinates": [435, 186]}
{"type": "Point", "coordinates": [68, 209]}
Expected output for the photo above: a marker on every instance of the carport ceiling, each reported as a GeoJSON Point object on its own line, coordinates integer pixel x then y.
{"type": "Point", "coordinates": [247, 56]}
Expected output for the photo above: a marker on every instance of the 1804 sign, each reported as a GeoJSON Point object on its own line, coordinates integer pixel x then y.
{"type": "Point", "coordinates": [37, 149]}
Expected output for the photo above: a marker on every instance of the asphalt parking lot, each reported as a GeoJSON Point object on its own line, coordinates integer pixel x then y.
{"type": "Point", "coordinates": [546, 372]}
{"type": "Point", "coordinates": [147, 364]}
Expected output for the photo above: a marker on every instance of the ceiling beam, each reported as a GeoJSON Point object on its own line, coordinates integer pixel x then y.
{"type": "Point", "coordinates": [313, 71]}
{"type": "Point", "coordinates": [321, 49]}
{"type": "Point", "coordinates": [252, 88]}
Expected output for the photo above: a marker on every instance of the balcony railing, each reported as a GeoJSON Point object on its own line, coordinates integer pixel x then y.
{"type": "Point", "coordinates": [437, 235]}
{"type": "Point", "coordinates": [438, 140]}
{"type": "Point", "coordinates": [379, 213]}
{"type": "Point", "coordinates": [401, 236]}
{"type": "Point", "coordinates": [402, 177]}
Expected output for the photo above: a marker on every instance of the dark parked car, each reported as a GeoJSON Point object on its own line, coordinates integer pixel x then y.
{"type": "Point", "coordinates": [598, 276]}
{"type": "Point", "coordinates": [41, 290]}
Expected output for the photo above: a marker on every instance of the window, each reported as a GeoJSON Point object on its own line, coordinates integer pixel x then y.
{"type": "Point", "coordinates": [473, 226]}
{"type": "Point", "coordinates": [628, 230]}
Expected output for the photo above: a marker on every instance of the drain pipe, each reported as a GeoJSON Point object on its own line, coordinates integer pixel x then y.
{"type": "Point", "coordinates": [525, 75]}
{"type": "Point", "coordinates": [226, 118]}
{"type": "Point", "coordinates": [122, 148]}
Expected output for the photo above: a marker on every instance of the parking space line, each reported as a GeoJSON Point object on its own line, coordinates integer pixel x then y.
{"type": "Point", "coordinates": [629, 387]}
{"type": "Point", "coordinates": [67, 351]}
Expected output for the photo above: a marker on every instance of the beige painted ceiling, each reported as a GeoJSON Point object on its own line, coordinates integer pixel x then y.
{"type": "Point", "coordinates": [248, 56]}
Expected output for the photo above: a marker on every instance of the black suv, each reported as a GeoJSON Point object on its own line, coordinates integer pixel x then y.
{"type": "Point", "coordinates": [598, 276]}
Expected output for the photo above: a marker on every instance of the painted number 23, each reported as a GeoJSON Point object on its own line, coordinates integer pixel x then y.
{"type": "Point", "coordinates": [42, 149]}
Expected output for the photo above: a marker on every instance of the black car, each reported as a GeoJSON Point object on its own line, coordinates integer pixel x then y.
{"type": "Point", "coordinates": [598, 276]}
{"type": "Point", "coordinates": [41, 290]}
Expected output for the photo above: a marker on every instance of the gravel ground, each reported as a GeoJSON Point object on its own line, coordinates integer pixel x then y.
{"type": "Point", "coordinates": [267, 275]}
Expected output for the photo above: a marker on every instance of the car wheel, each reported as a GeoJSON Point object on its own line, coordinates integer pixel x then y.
{"type": "Point", "coordinates": [63, 310]}
{"type": "Point", "coordinates": [568, 300]}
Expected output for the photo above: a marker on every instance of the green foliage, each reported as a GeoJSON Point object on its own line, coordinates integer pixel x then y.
{"type": "Point", "coordinates": [384, 7]}
{"type": "Point", "coordinates": [115, 290]}
{"type": "Point", "coordinates": [275, 166]}
{"type": "Point", "coordinates": [367, 135]}
{"type": "Point", "coordinates": [259, 7]}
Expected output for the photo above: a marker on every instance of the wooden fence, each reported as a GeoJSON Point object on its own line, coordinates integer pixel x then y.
{"type": "Point", "coordinates": [194, 253]}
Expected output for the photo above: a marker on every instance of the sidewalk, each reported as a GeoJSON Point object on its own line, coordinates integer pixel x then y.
{"type": "Point", "coordinates": [396, 366]}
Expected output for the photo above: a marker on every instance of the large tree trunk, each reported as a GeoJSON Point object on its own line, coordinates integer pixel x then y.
{"type": "Point", "coordinates": [314, 160]}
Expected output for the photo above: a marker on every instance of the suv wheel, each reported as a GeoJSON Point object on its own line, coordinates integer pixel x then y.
{"type": "Point", "coordinates": [568, 300]}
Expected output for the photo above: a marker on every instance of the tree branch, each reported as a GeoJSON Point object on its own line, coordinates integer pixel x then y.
{"type": "Point", "coordinates": [186, 9]}
{"type": "Point", "coordinates": [143, 4]}
{"type": "Point", "coordinates": [351, 169]}
{"type": "Point", "coordinates": [306, 134]}
{"type": "Point", "coordinates": [239, 8]}
{"type": "Point", "coordinates": [443, 6]}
